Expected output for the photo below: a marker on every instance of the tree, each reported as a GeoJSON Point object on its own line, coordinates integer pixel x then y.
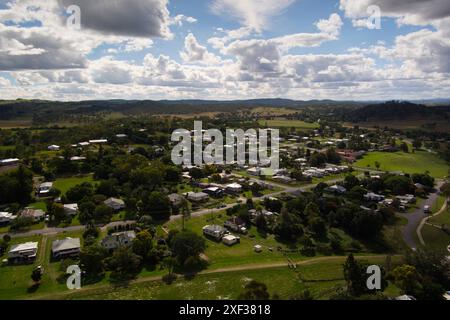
{"type": "Point", "coordinates": [169, 263]}
{"type": "Point", "coordinates": [288, 227]}
{"type": "Point", "coordinates": [157, 204]}
{"type": "Point", "coordinates": [404, 147]}
{"type": "Point", "coordinates": [254, 290]}
{"type": "Point", "coordinates": [417, 144]}
{"type": "Point", "coordinates": [406, 278]}
{"type": "Point", "coordinates": [185, 212]}
{"type": "Point", "coordinates": [187, 244]}
{"type": "Point", "coordinates": [91, 259]}
{"type": "Point", "coordinates": [143, 244]}
{"type": "Point", "coordinates": [36, 275]}
{"type": "Point", "coordinates": [377, 165]}
{"type": "Point", "coordinates": [355, 276]}
{"type": "Point", "coordinates": [124, 264]}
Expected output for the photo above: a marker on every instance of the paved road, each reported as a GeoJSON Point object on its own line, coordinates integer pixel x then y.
{"type": "Point", "coordinates": [414, 218]}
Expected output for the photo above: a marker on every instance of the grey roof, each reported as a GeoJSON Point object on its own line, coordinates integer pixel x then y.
{"type": "Point", "coordinates": [65, 244]}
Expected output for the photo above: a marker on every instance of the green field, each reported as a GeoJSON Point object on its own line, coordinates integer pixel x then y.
{"type": "Point", "coordinates": [417, 162]}
{"type": "Point", "coordinates": [435, 238]}
{"type": "Point", "coordinates": [321, 276]}
{"type": "Point", "coordinates": [64, 184]}
{"type": "Point", "coordinates": [279, 123]}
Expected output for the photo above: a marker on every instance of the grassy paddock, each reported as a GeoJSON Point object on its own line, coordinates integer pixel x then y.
{"type": "Point", "coordinates": [417, 162]}
{"type": "Point", "coordinates": [320, 276]}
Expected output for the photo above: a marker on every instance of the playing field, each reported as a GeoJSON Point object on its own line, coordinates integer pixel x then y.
{"type": "Point", "coordinates": [417, 162]}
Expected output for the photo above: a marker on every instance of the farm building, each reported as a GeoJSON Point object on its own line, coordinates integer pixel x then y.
{"type": "Point", "coordinates": [214, 231]}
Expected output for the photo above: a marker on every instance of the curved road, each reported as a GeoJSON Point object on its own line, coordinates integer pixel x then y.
{"type": "Point", "coordinates": [414, 218]}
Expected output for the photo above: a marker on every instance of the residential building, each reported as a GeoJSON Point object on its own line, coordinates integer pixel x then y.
{"type": "Point", "coordinates": [119, 239]}
{"type": "Point", "coordinates": [98, 141]}
{"type": "Point", "coordinates": [24, 252]}
{"type": "Point", "coordinates": [230, 239]}
{"type": "Point", "coordinates": [236, 224]}
{"type": "Point", "coordinates": [53, 147]}
{"type": "Point", "coordinates": [197, 196]}
{"type": "Point", "coordinates": [6, 217]}
{"type": "Point", "coordinates": [36, 214]}
{"type": "Point", "coordinates": [71, 209]}
{"type": "Point", "coordinates": [44, 189]}
{"type": "Point", "coordinates": [370, 196]}
{"type": "Point", "coordinates": [336, 189]}
{"type": "Point", "coordinates": [9, 162]}
{"type": "Point", "coordinates": [233, 188]}
{"type": "Point", "coordinates": [215, 231]}
{"type": "Point", "coordinates": [175, 199]}
{"type": "Point", "coordinates": [214, 191]}
{"type": "Point", "coordinates": [115, 204]}
{"type": "Point", "coordinates": [66, 248]}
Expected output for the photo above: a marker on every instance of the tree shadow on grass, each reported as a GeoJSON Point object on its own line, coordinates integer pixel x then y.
{"type": "Point", "coordinates": [33, 288]}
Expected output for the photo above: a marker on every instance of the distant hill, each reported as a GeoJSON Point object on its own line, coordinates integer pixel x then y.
{"type": "Point", "coordinates": [398, 110]}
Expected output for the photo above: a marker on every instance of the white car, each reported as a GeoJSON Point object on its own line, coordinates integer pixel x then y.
{"type": "Point", "coordinates": [426, 209]}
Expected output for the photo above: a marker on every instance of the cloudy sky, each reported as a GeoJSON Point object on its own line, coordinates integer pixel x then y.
{"type": "Point", "coordinates": [224, 49]}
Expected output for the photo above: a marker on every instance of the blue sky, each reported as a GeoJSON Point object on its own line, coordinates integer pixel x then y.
{"type": "Point", "coordinates": [225, 49]}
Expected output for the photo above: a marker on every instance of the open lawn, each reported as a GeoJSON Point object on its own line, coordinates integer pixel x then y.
{"type": "Point", "coordinates": [417, 162]}
{"type": "Point", "coordinates": [435, 238]}
{"type": "Point", "coordinates": [64, 184]}
{"type": "Point", "coordinates": [279, 123]}
{"type": "Point", "coordinates": [321, 276]}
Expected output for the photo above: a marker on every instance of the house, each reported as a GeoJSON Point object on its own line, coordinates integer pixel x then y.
{"type": "Point", "coordinates": [254, 171]}
{"type": "Point", "coordinates": [406, 199]}
{"type": "Point", "coordinates": [9, 162]}
{"type": "Point", "coordinates": [420, 186]}
{"type": "Point", "coordinates": [36, 214]}
{"type": "Point", "coordinates": [77, 158]}
{"type": "Point", "coordinates": [44, 189]}
{"type": "Point", "coordinates": [230, 239]}
{"type": "Point", "coordinates": [24, 252]}
{"type": "Point", "coordinates": [405, 297]}
{"type": "Point", "coordinates": [83, 144]}
{"type": "Point", "coordinates": [119, 239]}
{"type": "Point", "coordinates": [370, 196]}
{"type": "Point", "coordinates": [71, 209]}
{"type": "Point", "coordinates": [53, 147]}
{"type": "Point", "coordinates": [256, 213]}
{"type": "Point", "coordinates": [121, 135]}
{"type": "Point", "coordinates": [98, 141]}
{"type": "Point", "coordinates": [215, 231]}
{"type": "Point", "coordinates": [175, 199]}
{"type": "Point", "coordinates": [197, 196]}
{"type": "Point", "coordinates": [6, 217]}
{"type": "Point", "coordinates": [67, 247]}
{"type": "Point", "coordinates": [233, 188]}
{"type": "Point", "coordinates": [236, 224]}
{"type": "Point", "coordinates": [115, 204]}
{"type": "Point", "coordinates": [214, 191]}
{"type": "Point", "coordinates": [336, 189]}
{"type": "Point", "coordinates": [283, 179]}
